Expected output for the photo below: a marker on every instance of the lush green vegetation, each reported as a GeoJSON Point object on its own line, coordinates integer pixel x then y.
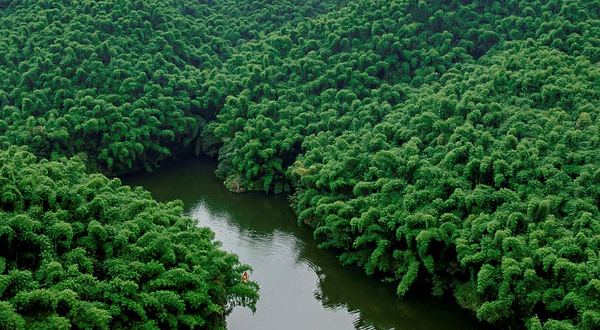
{"type": "Point", "coordinates": [454, 144]}
{"type": "Point", "coordinates": [123, 81]}
{"type": "Point", "coordinates": [80, 251]}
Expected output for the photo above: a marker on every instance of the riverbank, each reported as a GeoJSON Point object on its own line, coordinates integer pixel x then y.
{"type": "Point", "coordinates": [302, 286]}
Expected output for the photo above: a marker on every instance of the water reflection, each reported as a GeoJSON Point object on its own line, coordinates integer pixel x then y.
{"type": "Point", "coordinates": [302, 287]}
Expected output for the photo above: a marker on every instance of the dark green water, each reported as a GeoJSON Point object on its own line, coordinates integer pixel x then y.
{"type": "Point", "coordinates": [302, 287]}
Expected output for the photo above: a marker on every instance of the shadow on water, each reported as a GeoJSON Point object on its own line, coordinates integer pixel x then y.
{"type": "Point", "coordinates": [302, 287]}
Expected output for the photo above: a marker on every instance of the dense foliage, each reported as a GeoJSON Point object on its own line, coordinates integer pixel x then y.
{"type": "Point", "coordinates": [451, 143]}
{"type": "Point", "coordinates": [80, 251]}
{"type": "Point", "coordinates": [433, 143]}
{"type": "Point", "coordinates": [123, 81]}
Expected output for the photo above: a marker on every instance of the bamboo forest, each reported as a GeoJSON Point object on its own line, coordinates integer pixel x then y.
{"type": "Point", "coordinates": [447, 146]}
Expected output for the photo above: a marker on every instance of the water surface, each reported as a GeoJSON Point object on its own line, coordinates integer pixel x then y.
{"type": "Point", "coordinates": [302, 287]}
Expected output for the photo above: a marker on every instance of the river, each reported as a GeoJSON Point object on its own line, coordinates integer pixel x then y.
{"type": "Point", "coordinates": [302, 287]}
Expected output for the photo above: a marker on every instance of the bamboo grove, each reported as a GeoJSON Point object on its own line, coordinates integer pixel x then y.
{"type": "Point", "coordinates": [80, 251]}
{"type": "Point", "coordinates": [453, 144]}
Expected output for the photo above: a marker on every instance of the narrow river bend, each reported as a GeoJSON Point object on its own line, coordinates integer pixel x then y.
{"type": "Point", "coordinates": [302, 287]}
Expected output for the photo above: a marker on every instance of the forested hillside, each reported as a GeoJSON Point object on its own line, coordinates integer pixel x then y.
{"type": "Point", "coordinates": [80, 251]}
{"type": "Point", "coordinates": [123, 81]}
{"type": "Point", "coordinates": [453, 144]}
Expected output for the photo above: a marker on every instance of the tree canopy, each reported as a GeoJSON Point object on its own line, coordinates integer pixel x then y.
{"type": "Point", "coordinates": [451, 143]}
{"type": "Point", "coordinates": [80, 251]}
